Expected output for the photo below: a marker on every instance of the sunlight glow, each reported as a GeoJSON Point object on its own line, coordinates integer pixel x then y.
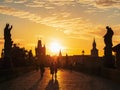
{"type": "Point", "coordinates": [55, 47]}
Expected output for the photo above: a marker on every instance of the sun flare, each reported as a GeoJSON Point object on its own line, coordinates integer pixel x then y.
{"type": "Point", "coordinates": [55, 47]}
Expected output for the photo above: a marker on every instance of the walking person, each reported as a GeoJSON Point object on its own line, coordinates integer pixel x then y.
{"type": "Point", "coordinates": [42, 70]}
{"type": "Point", "coordinates": [52, 69]}
{"type": "Point", "coordinates": [55, 69]}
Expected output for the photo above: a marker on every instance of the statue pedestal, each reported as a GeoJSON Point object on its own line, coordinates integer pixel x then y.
{"type": "Point", "coordinates": [109, 60]}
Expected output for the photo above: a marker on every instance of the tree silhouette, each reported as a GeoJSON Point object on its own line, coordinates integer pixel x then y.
{"type": "Point", "coordinates": [19, 56]}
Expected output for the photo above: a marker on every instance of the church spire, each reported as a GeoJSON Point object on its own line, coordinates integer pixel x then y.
{"type": "Point", "coordinates": [39, 44]}
{"type": "Point", "coordinates": [94, 51]}
{"type": "Point", "coordinates": [60, 53]}
{"type": "Point", "coordinates": [94, 44]}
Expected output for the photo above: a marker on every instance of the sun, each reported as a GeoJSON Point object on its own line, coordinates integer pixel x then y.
{"type": "Point", "coordinates": [55, 47]}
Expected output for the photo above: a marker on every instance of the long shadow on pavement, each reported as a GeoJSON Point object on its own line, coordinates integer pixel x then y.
{"type": "Point", "coordinates": [52, 85]}
{"type": "Point", "coordinates": [35, 86]}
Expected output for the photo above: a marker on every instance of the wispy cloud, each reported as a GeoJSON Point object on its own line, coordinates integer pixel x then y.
{"type": "Point", "coordinates": [19, 13]}
{"type": "Point", "coordinates": [8, 1]}
{"type": "Point", "coordinates": [74, 27]}
{"type": "Point", "coordinates": [115, 14]}
{"type": "Point", "coordinates": [102, 3]}
{"type": "Point", "coordinates": [20, 1]}
{"type": "Point", "coordinates": [36, 3]}
{"type": "Point", "coordinates": [52, 3]}
{"type": "Point", "coordinates": [15, 1]}
{"type": "Point", "coordinates": [107, 3]}
{"type": "Point", "coordinates": [63, 24]}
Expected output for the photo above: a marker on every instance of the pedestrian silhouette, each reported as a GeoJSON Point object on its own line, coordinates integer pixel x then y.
{"type": "Point", "coordinates": [53, 70]}
{"type": "Point", "coordinates": [42, 70]}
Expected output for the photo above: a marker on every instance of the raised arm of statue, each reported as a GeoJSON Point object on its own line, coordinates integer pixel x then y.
{"type": "Point", "coordinates": [7, 30]}
{"type": "Point", "coordinates": [10, 27]}
{"type": "Point", "coordinates": [109, 31]}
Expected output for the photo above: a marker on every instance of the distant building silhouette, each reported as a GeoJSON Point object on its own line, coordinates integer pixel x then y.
{"type": "Point", "coordinates": [82, 59]}
{"type": "Point", "coordinates": [83, 52]}
{"type": "Point", "coordinates": [60, 60]}
{"type": "Point", "coordinates": [86, 61]}
{"type": "Point", "coordinates": [94, 51]}
{"type": "Point", "coordinates": [60, 54]}
{"type": "Point", "coordinates": [40, 52]}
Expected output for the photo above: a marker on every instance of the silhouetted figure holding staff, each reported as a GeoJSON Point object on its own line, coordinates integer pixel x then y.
{"type": "Point", "coordinates": [108, 58]}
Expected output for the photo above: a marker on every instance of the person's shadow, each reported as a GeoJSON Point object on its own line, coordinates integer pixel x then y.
{"type": "Point", "coordinates": [52, 85]}
{"type": "Point", "coordinates": [35, 86]}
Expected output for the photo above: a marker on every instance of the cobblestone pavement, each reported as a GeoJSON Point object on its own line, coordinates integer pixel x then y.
{"type": "Point", "coordinates": [66, 80]}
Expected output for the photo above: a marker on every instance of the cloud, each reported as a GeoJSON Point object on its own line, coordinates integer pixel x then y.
{"type": "Point", "coordinates": [78, 28]}
{"type": "Point", "coordinates": [15, 1]}
{"type": "Point", "coordinates": [74, 27]}
{"type": "Point", "coordinates": [63, 24]}
{"type": "Point", "coordinates": [49, 4]}
{"type": "Point", "coordinates": [62, 2]}
{"type": "Point", "coordinates": [70, 26]}
{"type": "Point", "coordinates": [115, 14]}
{"type": "Point", "coordinates": [19, 13]}
{"type": "Point", "coordinates": [8, 1]}
{"type": "Point", "coordinates": [107, 3]}
{"type": "Point", "coordinates": [36, 3]}
{"type": "Point", "coordinates": [20, 1]}
{"type": "Point", "coordinates": [102, 4]}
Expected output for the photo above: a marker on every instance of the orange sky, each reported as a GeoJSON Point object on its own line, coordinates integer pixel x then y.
{"type": "Point", "coordinates": [74, 24]}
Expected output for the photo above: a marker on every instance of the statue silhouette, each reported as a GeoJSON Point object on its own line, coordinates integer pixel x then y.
{"type": "Point", "coordinates": [108, 36]}
{"type": "Point", "coordinates": [108, 58]}
{"type": "Point", "coordinates": [7, 45]}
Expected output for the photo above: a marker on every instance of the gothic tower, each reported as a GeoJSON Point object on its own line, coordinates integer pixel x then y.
{"type": "Point", "coordinates": [40, 52]}
{"type": "Point", "coordinates": [94, 51]}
